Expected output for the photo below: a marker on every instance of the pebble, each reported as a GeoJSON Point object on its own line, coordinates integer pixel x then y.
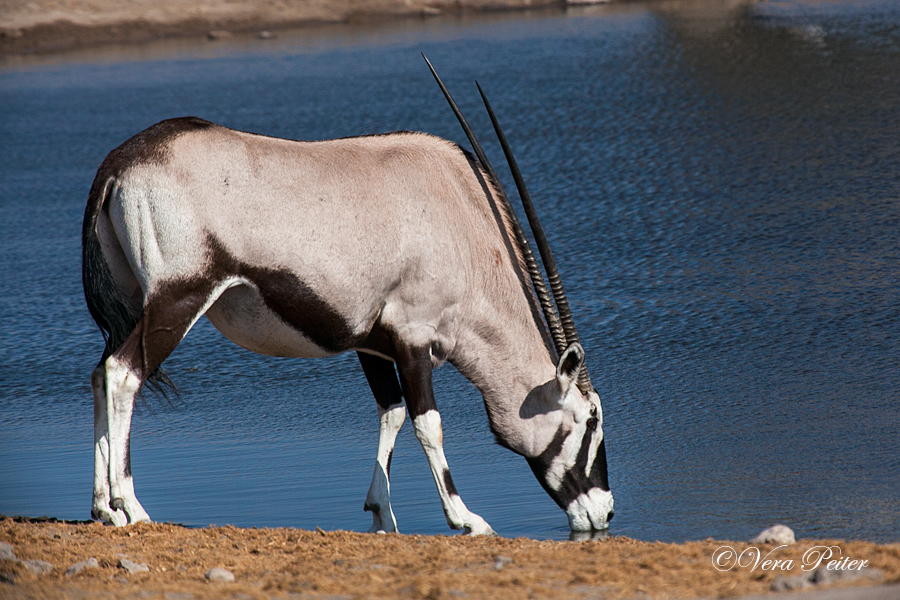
{"type": "Point", "coordinates": [821, 577]}
{"type": "Point", "coordinates": [78, 567]}
{"type": "Point", "coordinates": [7, 552]}
{"type": "Point", "coordinates": [788, 584]}
{"type": "Point", "coordinates": [501, 561]}
{"type": "Point", "coordinates": [132, 567]}
{"type": "Point", "coordinates": [220, 574]}
{"type": "Point", "coordinates": [38, 567]}
{"type": "Point", "coordinates": [824, 576]}
{"type": "Point", "coordinates": [776, 534]}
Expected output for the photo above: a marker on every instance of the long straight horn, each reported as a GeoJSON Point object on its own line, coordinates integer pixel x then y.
{"type": "Point", "coordinates": [565, 313]}
{"type": "Point", "coordinates": [557, 333]}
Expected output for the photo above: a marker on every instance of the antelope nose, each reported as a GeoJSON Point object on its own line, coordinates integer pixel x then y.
{"type": "Point", "coordinates": [611, 514]}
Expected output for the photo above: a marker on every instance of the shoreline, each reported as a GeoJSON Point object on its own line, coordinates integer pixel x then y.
{"type": "Point", "coordinates": [171, 561]}
{"type": "Point", "coordinates": [50, 26]}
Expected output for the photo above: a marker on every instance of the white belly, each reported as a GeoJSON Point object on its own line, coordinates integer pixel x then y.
{"type": "Point", "coordinates": [243, 317]}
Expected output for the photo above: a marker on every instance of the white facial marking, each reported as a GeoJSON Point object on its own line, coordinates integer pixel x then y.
{"type": "Point", "coordinates": [564, 461]}
{"type": "Point", "coordinates": [590, 510]}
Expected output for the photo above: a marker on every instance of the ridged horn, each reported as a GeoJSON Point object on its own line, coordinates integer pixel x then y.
{"type": "Point", "coordinates": [562, 304]}
{"type": "Point", "coordinates": [557, 332]}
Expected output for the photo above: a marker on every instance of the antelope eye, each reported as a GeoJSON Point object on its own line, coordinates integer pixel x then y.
{"type": "Point", "coordinates": [592, 423]}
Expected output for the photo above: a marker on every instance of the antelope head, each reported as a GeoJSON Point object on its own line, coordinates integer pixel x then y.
{"type": "Point", "coordinates": [566, 450]}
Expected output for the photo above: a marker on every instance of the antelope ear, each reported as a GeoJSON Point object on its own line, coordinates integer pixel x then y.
{"type": "Point", "coordinates": [570, 364]}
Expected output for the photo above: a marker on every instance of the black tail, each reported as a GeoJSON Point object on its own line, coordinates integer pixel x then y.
{"type": "Point", "coordinates": [110, 310]}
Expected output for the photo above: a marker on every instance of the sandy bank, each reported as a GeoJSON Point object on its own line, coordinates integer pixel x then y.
{"type": "Point", "coordinates": [28, 26]}
{"type": "Point", "coordinates": [290, 563]}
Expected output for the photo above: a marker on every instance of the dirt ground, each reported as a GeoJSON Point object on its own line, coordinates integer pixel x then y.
{"type": "Point", "coordinates": [291, 563]}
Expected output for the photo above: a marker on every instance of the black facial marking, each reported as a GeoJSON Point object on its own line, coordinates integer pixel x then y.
{"type": "Point", "coordinates": [390, 457]}
{"type": "Point", "coordinates": [574, 482]}
{"type": "Point", "coordinates": [599, 474]}
{"type": "Point", "coordinates": [448, 483]}
{"type": "Point", "coordinates": [540, 464]}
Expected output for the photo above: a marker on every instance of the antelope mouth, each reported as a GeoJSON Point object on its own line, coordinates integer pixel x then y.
{"type": "Point", "coordinates": [591, 511]}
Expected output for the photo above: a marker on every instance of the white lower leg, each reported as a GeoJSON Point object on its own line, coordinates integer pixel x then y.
{"type": "Point", "coordinates": [378, 500]}
{"type": "Point", "coordinates": [429, 433]}
{"type": "Point", "coordinates": [121, 388]}
{"type": "Point", "coordinates": [100, 508]}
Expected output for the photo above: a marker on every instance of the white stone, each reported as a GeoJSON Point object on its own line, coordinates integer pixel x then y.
{"type": "Point", "coordinates": [78, 567]}
{"type": "Point", "coordinates": [220, 574]}
{"type": "Point", "coordinates": [776, 534]}
{"type": "Point", "coordinates": [38, 567]}
{"type": "Point", "coordinates": [7, 552]}
{"type": "Point", "coordinates": [132, 567]}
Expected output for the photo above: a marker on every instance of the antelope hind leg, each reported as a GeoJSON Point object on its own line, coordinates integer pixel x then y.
{"type": "Point", "coordinates": [115, 387]}
{"type": "Point", "coordinates": [115, 384]}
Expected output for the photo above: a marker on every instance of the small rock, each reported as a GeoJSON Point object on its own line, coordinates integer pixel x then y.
{"type": "Point", "coordinates": [220, 574]}
{"type": "Point", "coordinates": [787, 584]}
{"type": "Point", "coordinates": [218, 34]}
{"type": "Point", "coordinates": [38, 567]}
{"type": "Point", "coordinates": [824, 576]}
{"type": "Point", "coordinates": [776, 534]}
{"type": "Point", "coordinates": [7, 578]}
{"type": "Point", "coordinates": [7, 552]}
{"type": "Point", "coordinates": [132, 567]}
{"type": "Point", "coordinates": [501, 561]}
{"type": "Point", "coordinates": [264, 35]}
{"type": "Point", "coordinates": [78, 567]}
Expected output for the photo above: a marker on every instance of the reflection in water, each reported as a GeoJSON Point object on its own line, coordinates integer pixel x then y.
{"type": "Point", "coordinates": [585, 536]}
{"type": "Point", "coordinates": [720, 192]}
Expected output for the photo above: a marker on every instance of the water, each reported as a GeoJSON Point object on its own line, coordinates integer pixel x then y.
{"type": "Point", "coordinates": [721, 191]}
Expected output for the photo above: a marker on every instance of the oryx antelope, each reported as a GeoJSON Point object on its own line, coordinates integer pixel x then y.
{"type": "Point", "coordinates": [401, 247]}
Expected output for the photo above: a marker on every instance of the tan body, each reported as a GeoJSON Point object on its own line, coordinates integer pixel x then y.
{"type": "Point", "coordinates": [389, 245]}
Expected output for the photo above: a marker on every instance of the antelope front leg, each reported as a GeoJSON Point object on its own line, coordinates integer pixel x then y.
{"type": "Point", "coordinates": [431, 436]}
{"type": "Point", "coordinates": [378, 500]}
{"type": "Point", "coordinates": [415, 377]}
{"type": "Point", "coordinates": [382, 380]}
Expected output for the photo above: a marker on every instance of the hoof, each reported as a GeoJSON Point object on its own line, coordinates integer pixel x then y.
{"type": "Point", "coordinates": [116, 518]}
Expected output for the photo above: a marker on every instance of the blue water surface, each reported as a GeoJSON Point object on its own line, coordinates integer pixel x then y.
{"type": "Point", "coordinates": [720, 189]}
